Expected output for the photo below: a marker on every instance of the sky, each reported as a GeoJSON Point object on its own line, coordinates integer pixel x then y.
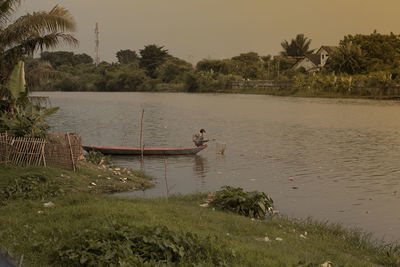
{"type": "Point", "coordinates": [198, 29]}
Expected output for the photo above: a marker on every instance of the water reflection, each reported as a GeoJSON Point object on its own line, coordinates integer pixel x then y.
{"type": "Point", "coordinates": [200, 167]}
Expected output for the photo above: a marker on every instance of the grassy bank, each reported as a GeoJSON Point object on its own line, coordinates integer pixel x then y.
{"type": "Point", "coordinates": [88, 178]}
{"type": "Point", "coordinates": [89, 229]}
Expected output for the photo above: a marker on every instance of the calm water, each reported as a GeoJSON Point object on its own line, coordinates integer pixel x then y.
{"type": "Point", "coordinates": [344, 155]}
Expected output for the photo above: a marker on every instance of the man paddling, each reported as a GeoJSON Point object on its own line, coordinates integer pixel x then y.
{"type": "Point", "coordinates": [198, 138]}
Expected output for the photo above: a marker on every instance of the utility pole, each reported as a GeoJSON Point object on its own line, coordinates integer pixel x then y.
{"type": "Point", "coordinates": [97, 42]}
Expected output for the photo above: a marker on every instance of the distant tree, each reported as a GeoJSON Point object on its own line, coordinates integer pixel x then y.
{"type": "Point", "coordinates": [82, 59]}
{"type": "Point", "coordinates": [127, 56]}
{"type": "Point", "coordinates": [59, 58]}
{"type": "Point", "coordinates": [249, 65]}
{"type": "Point", "coordinates": [250, 57]}
{"type": "Point", "coordinates": [192, 82]}
{"type": "Point", "coordinates": [151, 57]}
{"type": "Point", "coordinates": [173, 70]}
{"type": "Point", "coordinates": [37, 73]}
{"type": "Point", "coordinates": [348, 58]}
{"type": "Point", "coordinates": [381, 51]}
{"type": "Point", "coordinates": [297, 47]}
{"type": "Point", "coordinates": [266, 59]}
{"type": "Point", "coordinates": [225, 66]}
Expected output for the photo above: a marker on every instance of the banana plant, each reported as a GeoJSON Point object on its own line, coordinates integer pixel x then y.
{"type": "Point", "coordinates": [16, 84]}
{"type": "Point", "coordinates": [27, 121]}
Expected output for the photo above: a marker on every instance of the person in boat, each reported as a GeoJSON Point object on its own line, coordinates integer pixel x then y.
{"type": "Point", "coordinates": [198, 138]}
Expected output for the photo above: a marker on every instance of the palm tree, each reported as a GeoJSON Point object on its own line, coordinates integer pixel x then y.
{"type": "Point", "coordinates": [30, 33]}
{"type": "Point", "coordinates": [297, 47]}
{"type": "Point", "coordinates": [349, 58]}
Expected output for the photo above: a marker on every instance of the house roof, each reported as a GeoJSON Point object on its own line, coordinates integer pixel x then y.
{"type": "Point", "coordinates": [328, 48]}
{"type": "Point", "coordinates": [316, 59]}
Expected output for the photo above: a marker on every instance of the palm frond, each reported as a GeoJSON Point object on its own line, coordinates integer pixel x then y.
{"type": "Point", "coordinates": [39, 23]}
{"type": "Point", "coordinates": [38, 74]}
{"type": "Point", "coordinates": [7, 8]}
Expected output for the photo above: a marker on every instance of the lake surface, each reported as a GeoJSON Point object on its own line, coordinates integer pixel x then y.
{"type": "Point", "coordinates": [342, 155]}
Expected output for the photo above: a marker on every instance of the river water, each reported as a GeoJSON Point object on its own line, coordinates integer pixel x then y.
{"type": "Point", "coordinates": [332, 159]}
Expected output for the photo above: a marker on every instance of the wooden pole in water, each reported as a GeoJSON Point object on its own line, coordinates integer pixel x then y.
{"type": "Point", "coordinates": [165, 177]}
{"type": "Point", "coordinates": [141, 134]}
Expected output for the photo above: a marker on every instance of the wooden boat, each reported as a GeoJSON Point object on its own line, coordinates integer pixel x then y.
{"type": "Point", "coordinates": [114, 150]}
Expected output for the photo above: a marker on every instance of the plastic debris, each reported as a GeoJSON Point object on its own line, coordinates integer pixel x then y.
{"type": "Point", "coordinates": [279, 239]}
{"type": "Point", "coordinates": [93, 183]}
{"type": "Point", "coordinates": [327, 264]}
{"type": "Point", "coordinates": [263, 239]}
{"type": "Point", "coordinates": [49, 204]}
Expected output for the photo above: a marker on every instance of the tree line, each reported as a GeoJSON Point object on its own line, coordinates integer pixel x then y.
{"type": "Point", "coordinates": [372, 59]}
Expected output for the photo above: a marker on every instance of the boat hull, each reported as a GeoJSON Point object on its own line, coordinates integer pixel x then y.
{"type": "Point", "coordinates": [112, 150]}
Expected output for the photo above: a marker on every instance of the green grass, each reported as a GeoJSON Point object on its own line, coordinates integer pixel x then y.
{"type": "Point", "coordinates": [26, 227]}
{"type": "Point", "coordinates": [87, 178]}
{"type": "Point", "coordinates": [82, 216]}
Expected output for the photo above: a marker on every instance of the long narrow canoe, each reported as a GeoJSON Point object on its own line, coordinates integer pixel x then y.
{"type": "Point", "coordinates": [114, 150]}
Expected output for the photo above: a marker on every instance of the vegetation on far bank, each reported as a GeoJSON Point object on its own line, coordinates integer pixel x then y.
{"type": "Point", "coordinates": [362, 66]}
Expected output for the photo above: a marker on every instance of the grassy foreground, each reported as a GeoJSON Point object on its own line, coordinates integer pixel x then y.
{"type": "Point", "coordinates": [83, 228]}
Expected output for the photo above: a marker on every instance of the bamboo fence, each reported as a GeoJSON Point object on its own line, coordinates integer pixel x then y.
{"type": "Point", "coordinates": [58, 150]}
{"type": "Point", "coordinates": [22, 150]}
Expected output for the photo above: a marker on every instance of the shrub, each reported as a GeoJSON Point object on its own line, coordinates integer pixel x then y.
{"type": "Point", "coordinates": [128, 245]}
{"type": "Point", "coordinates": [97, 158]}
{"type": "Point", "coordinates": [32, 186]}
{"type": "Point", "coordinates": [251, 204]}
{"type": "Point", "coordinates": [28, 121]}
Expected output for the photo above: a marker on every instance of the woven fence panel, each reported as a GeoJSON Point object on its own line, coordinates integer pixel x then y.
{"type": "Point", "coordinates": [58, 150]}
{"type": "Point", "coordinates": [22, 150]}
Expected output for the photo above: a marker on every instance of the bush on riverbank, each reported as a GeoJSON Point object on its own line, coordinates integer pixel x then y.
{"type": "Point", "coordinates": [251, 204]}
{"type": "Point", "coordinates": [372, 84]}
{"type": "Point", "coordinates": [116, 245]}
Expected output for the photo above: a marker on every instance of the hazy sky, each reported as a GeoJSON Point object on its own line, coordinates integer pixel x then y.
{"type": "Point", "coordinates": [197, 29]}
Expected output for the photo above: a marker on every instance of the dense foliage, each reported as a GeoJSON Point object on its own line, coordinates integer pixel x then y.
{"type": "Point", "coordinates": [97, 158]}
{"type": "Point", "coordinates": [27, 120]}
{"type": "Point", "coordinates": [363, 65]}
{"type": "Point", "coordinates": [252, 204]}
{"type": "Point", "coordinates": [59, 58]}
{"type": "Point", "coordinates": [32, 187]}
{"type": "Point", "coordinates": [127, 245]}
{"type": "Point", "coordinates": [366, 53]}
{"type": "Point", "coordinates": [299, 46]}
